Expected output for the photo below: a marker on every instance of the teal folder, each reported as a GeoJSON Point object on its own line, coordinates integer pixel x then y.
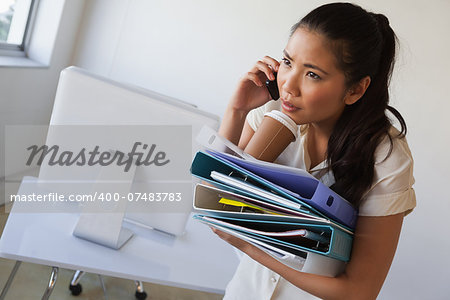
{"type": "Point", "coordinates": [269, 215]}
{"type": "Point", "coordinates": [338, 245]}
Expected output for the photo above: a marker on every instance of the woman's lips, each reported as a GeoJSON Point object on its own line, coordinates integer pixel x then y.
{"type": "Point", "coordinates": [288, 107]}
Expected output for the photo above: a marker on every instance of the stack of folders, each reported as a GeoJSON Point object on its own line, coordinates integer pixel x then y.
{"type": "Point", "coordinates": [282, 210]}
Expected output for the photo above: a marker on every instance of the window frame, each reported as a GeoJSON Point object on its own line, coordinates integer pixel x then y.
{"type": "Point", "coordinates": [21, 50]}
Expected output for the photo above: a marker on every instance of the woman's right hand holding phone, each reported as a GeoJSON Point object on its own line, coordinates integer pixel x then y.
{"type": "Point", "coordinates": [251, 91]}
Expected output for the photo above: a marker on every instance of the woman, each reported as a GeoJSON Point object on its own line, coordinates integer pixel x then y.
{"type": "Point", "coordinates": [333, 81]}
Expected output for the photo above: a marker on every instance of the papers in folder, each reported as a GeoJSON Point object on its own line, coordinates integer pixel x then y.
{"type": "Point", "coordinates": [295, 183]}
{"type": "Point", "coordinates": [267, 214]}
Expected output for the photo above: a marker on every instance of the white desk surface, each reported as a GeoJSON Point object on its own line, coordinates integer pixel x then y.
{"type": "Point", "coordinates": [196, 260]}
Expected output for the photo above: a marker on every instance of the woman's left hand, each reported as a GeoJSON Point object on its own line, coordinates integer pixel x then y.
{"type": "Point", "coordinates": [234, 241]}
{"type": "Point", "coordinates": [249, 249]}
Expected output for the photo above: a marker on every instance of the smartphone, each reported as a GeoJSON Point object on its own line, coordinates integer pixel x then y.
{"type": "Point", "coordinates": [272, 86]}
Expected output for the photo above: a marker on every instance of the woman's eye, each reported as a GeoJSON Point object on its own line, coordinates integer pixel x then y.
{"type": "Point", "coordinates": [313, 75]}
{"type": "Point", "coordinates": [286, 61]}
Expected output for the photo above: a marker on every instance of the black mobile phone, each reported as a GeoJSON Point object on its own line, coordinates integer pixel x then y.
{"type": "Point", "coordinates": [272, 86]}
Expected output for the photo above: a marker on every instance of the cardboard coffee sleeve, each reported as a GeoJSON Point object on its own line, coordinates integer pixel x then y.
{"type": "Point", "coordinates": [274, 134]}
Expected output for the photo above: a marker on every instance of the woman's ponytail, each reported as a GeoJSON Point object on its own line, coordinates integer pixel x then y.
{"type": "Point", "coordinates": [387, 59]}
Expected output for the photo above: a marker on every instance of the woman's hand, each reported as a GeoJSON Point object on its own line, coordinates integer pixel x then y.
{"type": "Point", "coordinates": [232, 240]}
{"type": "Point", "coordinates": [251, 91]}
{"type": "Point", "coordinates": [244, 246]}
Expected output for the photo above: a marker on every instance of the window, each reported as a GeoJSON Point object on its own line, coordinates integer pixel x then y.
{"type": "Point", "coordinates": [16, 17]}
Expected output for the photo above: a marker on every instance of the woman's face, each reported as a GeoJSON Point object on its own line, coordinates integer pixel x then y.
{"type": "Point", "coordinates": [312, 88]}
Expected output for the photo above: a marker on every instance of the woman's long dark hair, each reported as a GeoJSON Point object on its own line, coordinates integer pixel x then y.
{"type": "Point", "coordinates": [364, 45]}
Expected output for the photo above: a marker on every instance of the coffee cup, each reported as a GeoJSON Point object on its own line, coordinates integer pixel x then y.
{"type": "Point", "coordinates": [276, 132]}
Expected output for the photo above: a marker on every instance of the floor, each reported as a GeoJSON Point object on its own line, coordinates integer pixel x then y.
{"type": "Point", "coordinates": [31, 281]}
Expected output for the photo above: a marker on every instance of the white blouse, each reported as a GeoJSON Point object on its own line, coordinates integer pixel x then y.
{"type": "Point", "coordinates": [390, 193]}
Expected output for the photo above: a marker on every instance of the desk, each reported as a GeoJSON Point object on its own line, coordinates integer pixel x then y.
{"type": "Point", "coordinates": [197, 260]}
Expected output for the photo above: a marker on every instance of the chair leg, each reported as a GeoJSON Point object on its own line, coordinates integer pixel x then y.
{"type": "Point", "coordinates": [140, 293]}
{"type": "Point", "coordinates": [51, 283]}
{"type": "Point", "coordinates": [10, 279]}
{"type": "Point", "coordinates": [75, 286]}
{"type": "Point", "coordinates": [102, 283]}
